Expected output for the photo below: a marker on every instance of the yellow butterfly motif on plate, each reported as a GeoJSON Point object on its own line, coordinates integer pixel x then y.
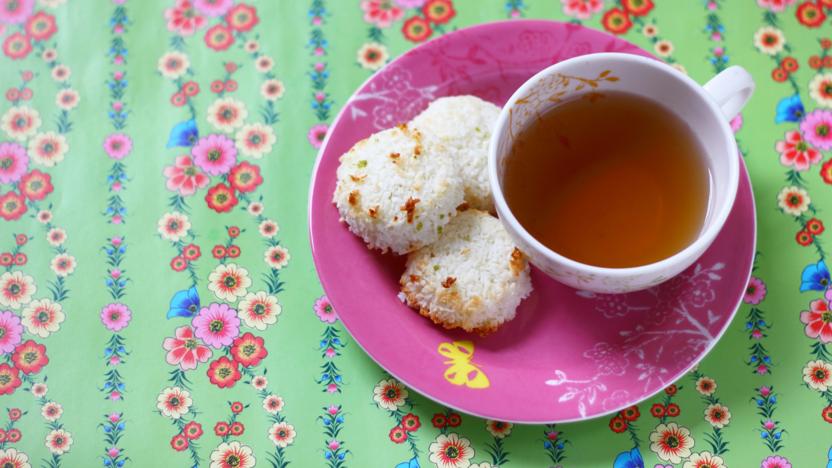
{"type": "Point", "coordinates": [461, 371]}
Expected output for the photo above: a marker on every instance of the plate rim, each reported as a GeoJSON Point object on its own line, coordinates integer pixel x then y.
{"type": "Point", "coordinates": [315, 257]}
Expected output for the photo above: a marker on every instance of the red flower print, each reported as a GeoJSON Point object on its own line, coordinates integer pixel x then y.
{"type": "Point", "coordinates": [185, 350]}
{"type": "Point", "coordinates": [217, 86]}
{"type": "Point", "coordinates": [616, 21]}
{"type": "Point", "coordinates": [221, 198]}
{"type": "Point", "coordinates": [815, 226]}
{"type": "Point", "coordinates": [381, 13]}
{"type": "Point", "coordinates": [9, 379]}
{"type": "Point", "coordinates": [439, 11]}
{"type": "Point", "coordinates": [779, 75]}
{"type": "Point", "coordinates": [178, 99]}
{"type": "Point", "coordinates": [17, 46]}
{"type": "Point", "coordinates": [657, 410]}
{"type": "Point", "coordinates": [15, 414]}
{"type": "Point", "coordinates": [41, 26]}
{"type": "Point", "coordinates": [411, 422]}
{"type": "Point", "coordinates": [826, 172]}
{"type": "Point", "coordinates": [804, 238]}
{"type": "Point", "coordinates": [223, 372]}
{"type": "Point", "coordinates": [826, 414]}
{"type": "Point", "coordinates": [12, 206]}
{"type": "Point", "coordinates": [810, 14]}
{"type": "Point", "coordinates": [237, 407]}
{"type": "Point", "coordinates": [221, 428]}
{"type": "Point", "coordinates": [233, 231]}
{"type": "Point", "coordinates": [179, 263]}
{"type": "Point", "coordinates": [242, 17]}
{"type": "Point", "coordinates": [184, 177]}
{"type": "Point", "coordinates": [439, 420]}
{"type": "Point", "coordinates": [192, 430]}
{"type": "Point", "coordinates": [416, 29]}
{"type": "Point", "coordinates": [618, 424]}
{"type": "Point", "coordinates": [637, 7]}
{"type": "Point", "coordinates": [454, 420]}
{"type": "Point", "coordinates": [218, 251]}
{"type": "Point", "coordinates": [219, 37]}
{"type": "Point", "coordinates": [818, 321]}
{"type": "Point", "coordinates": [826, 43]}
{"type": "Point", "coordinates": [2, 435]}
{"type": "Point", "coordinates": [398, 435]}
{"type": "Point", "coordinates": [20, 239]}
{"type": "Point", "coordinates": [190, 88]}
{"type": "Point", "coordinates": [230, 86]}
{"type": "Point", "coordinates": [30, 357]}
{"type": "Point", "coordinates": [236, 429]}
{"type": "Point", "coordinates": [20, 259]}
{"type": "Point", "coordinates": [233, 251]}
{"type": "Point", "coordinates": [191, 252]}
{"type": "Point", "coordinates": [671, 390]}
{"type": "Point", "coordinates": [6, 259]}
{"type": "Point", "coordinates": [673, 410]}
{"type": "Point", "coordinates": [183, 19]}
{"type": "Point", "coordinates": [815, 62]}
{"type": "Point", "coordinates": [248, 350]}
{"type": "Point", "coordinates": [789, 64]}
{"type": "Point", "coordinates": [630, 414]}
{"type": "Point", "coordinates": [14, 435]}
{"type": "Point", "coordinates": [179, 442]}
{"type": "Point", "coordinates": [796, 152]}
{"type": "Point", "coordinates": [35, 185]}
{"type": "Point", "coordinates": [245, 177]}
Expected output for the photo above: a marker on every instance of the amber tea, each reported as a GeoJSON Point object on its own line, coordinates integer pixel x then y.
{"type": "Point", "coordinates": [615, 180]}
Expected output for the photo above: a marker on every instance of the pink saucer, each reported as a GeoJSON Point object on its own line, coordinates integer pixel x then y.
{"type": "Point", "coordinates": [569, 355]}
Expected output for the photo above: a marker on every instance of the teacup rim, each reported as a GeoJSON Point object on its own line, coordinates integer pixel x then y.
{"type": "Point", "coordinates": [698, 246]}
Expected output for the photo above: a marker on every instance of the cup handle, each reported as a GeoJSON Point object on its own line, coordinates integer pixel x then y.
{"type": "Point", "coordinates": [731, 89]}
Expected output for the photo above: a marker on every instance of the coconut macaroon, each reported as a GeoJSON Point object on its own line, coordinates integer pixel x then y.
{"type": "Point", "coordinates": [462, 125]}
{"type": "Point", "coordinates": [472, 278]}
{"type": "Point", "coordinates": [395, 192]}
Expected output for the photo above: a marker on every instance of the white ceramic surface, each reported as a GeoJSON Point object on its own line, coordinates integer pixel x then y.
{"type": "Point", "coordinates": [706, 110]}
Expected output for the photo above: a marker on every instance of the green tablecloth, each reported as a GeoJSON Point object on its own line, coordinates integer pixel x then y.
{"type": "Point", "coordinates": [104, 221]}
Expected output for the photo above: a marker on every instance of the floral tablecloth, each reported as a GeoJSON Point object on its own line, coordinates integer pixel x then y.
{"type": "Point", "coordinates": [158, 302]}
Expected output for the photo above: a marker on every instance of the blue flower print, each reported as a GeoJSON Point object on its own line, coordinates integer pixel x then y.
{"type": "Point", "coordinates": [789, 109]}
{"type": "Point", "coordinates": [184, 303]}
{"type": "Point", "coordinates": [183, 134]}
{"type": "Point", "coordinates": [412, 463]}
{"type": "Point", "coordinates": [631, 459]}
{"type": "Point", "coordinates": [815, 277]}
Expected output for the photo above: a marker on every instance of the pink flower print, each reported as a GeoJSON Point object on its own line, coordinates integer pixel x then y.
{"type": "Point", "coordinates": [319, 96]}
{"type": "Point", "coordinates": [115, 316]}
{"type": "Point", "coordinates": [717, 37]}
{"type": "Point", "coordinates": [113, 452]}
{"type": "Point", "coordinates": [332, 388]}
{"type": "Point", "coordinates": [183, 19]}
{"type": "Point", "coordinates": [115, 360]}
{"type": "Point", "coordinates": [317, 134]}
{"type": "Point", "coordinates": [755, 292]}
{"type": "Point", "coordinates": [410, 3]}
{"type": "Point", "coordinates": [817, 129]}
{"type": "Point", "coordinates": [117, 219]}
{"type": "Point", "coordinates": [381, 13]}
{"type": "Point", "coordinates": [10, 331]}
{"type": "Point", "coordinates": [115, 273]}
{"type": "Point", "coordinates": [118, 106]}
{"type": "Point", "coordinates": [333, 445]}
{"type": "Point", "coordinates": [119, 75]}
{"type": "Point", "coordinates": [184, 177]}
{"type": "Point", "coordinates": [332, 410]}
{"type": "Point", "coordinates": [213, 8]}
{"type": "Point", "coordinates": [324, 310]}
{"type": "Point", "coordinates": [114, 417]}
{"type": "Point", "coordinates": [796, 152]}
{"type": "Point", "coordinates": [582, 9]}
{"type": "Point", "coordinates": [756, 334]}
{"type": "Point", "coordinates": [774, 5]}
{"type": "Point", "coordinates": [217, 325]}
{"type": "Point", "coordinates": [762, 369]}
{"type": "Point", "coordinates": [116, 241]}
{"type": "Point", "coordinates": [118, 60]}
{"type": "Point", "coordinates": [736, 123]}
{"type": "Point", "coordinates": [330, 352]}
{"type": "Point", "coordinates": [215, 154]}
{"type": "Point", "coordinates": [15, 11]}
{"type": "Point", "coordinates": [775, 461]}
{"type": "Point", "coordinates": [184, 350]}
{"type": "Point", "coordinates": [320, 66]}
{"type": "Point", "coordinates": [118, 29]}
{"type": "Point", "coordinates": [769, 424]}
{"type": "Point", "coordinates": [118, 145]}
{"type": "Point", "coordinates": [765, 391]}
{"type": "Point", "coordinates": [818, 321]}
{"type": "Point", "coordinates": [115, 396]}
{"type": "Point", "coordinates": [316, 21]}
{"type": "Point", "coordinates": [13, 162]}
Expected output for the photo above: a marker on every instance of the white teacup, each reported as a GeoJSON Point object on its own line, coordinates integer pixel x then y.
{"type": "Point", "coordinates": [707, 111]}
